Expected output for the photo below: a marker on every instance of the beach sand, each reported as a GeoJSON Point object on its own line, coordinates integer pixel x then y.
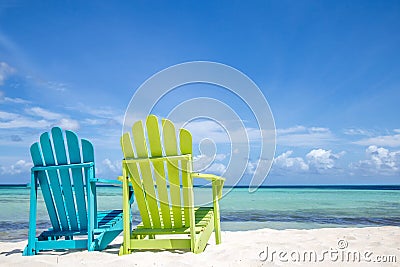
{"type": "Point", "coordinates": [264, 247]}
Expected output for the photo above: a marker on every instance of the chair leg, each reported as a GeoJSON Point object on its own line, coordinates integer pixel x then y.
{"type": "Point", "coordinates": [31, 247]}
{"type": "Point", "coordinates": [217, 230]}
{"type": "Point", "coordinates": [217, 223]}
{"type": "Point", "coordinates": [107, 238]}
{"type": "Point", "coordinates": [121, 250]}
{"type": "Point", "coordinates": [90, 187]}
{"type": "Point", "coordinates": [126, 214]}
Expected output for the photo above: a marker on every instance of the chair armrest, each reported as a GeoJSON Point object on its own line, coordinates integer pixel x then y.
{"type": "Point", "coordinates": [105, 181]}
{"type": "Point", "coordinates": [131, 195]}
{"type": "Point", "coordinates": [61, 167]}
{"type": "Point", "coordinates": [216, 181]}
{"type": "Point", "coordinates": [207, 176]}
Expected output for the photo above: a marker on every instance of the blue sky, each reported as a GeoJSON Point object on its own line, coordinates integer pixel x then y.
{"type": "Point", "coordinates": [330, 71]}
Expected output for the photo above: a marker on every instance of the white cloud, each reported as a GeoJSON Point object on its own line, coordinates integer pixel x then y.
{"type": "Point", "coordinates": [10, 120]}
{"type": "Point", "coordinates": [108, 165]}
{"type": "Point", "coordinates": [68, 124]}
{"type": "Point", "coordinates": [204, 162]}
{"type": "Point", "coordinates": [5, 71]}
{"type": "Point", "coordinates": [251, 167]}
{"type": "Point", "coordinates": [262, 164]}
{"type": "Point", "coordinates": [216, 168]}
{"type": "Point", "coordinates": [383, 140]}
{"type": "Point", "coordinates": [201, 162]}
{"type": "Point", "coordinates": [379, 161]}
{"type": "Point", "coordinates": [288, 163]}
{"type": "Point", "coordinates": [21, 166]}
{"type": "Point", "coordinates": [315, 161]}
{"type": "Point", "coordinates": [4, 115]}
{"type": "Point", "coordinates": [320, 159]}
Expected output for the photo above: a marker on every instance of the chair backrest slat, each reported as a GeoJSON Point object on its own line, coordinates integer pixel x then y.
{"type": "Point", "coordinates": [54, 181]}
{"type": "Point", "coordinates": [153, 134]}
{"type": "Point", "coordinates": [37, 160]}
{"type": "Point", "coordinates": [87, 151]}
{"type": "Point", "coordinates": [79, 188]}
{"type": "Point", "coordinates": [170, 147]}
{"type": "Point", "coordinates": [185, 144]}
{"type": "Point", "coordinates": [145, 169]}
{"type": "Point", "coordinates": [127, 150]}
{"type": "Point", "coordinates": [61, 156]}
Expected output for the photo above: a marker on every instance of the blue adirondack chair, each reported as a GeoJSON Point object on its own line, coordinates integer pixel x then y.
{"type": "Point", "coordinates": [64, 180]}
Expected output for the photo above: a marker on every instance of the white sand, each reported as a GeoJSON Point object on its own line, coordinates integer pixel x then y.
{"type": "Point", "coordinates": [240, 249]}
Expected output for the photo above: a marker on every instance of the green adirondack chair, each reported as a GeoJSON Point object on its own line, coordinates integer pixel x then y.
{"type": "Point", "coordinates": [163, 184]}
{"type": "Point", "coordinates": [64, 180]}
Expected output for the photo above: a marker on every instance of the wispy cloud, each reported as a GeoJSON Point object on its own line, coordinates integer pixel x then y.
{"type": "Point", "coordinates": [253, 166]}
{"type": "Point", "coordinates": [5, 71]}
{"type": "Point", "coordinates": [46, 84]}
{"type": "Point", "coordinates": [357, 131]}
{"type": "Point", "coordinates": [10, 120]}
{"type": "Point", "coordinates": [68, 124]}
{"type": "Point", "coordinates": [43, 113]}
{"type": "Point", "coordinates": [57, 86]}
{"type": "Point", "coordinates": [226, 132]}
{"type": "Point", "coordinates": [99, 116]}
{"type": "Point", "coordinates": [392, 140]}
{"type": "Point", "coordinates": [36, 118]}
{"type": "Point", "coordinates": [209, 129]}
{"type": "Point", "coordinates": [301, 136]}
{"type": "Point", "coordinates": [16, 100]}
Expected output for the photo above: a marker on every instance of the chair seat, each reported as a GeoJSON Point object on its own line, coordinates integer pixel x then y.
{"type": "Point", "coordinates": [105, 219]}
{"type": "Point", "coordinates": [109, 218]}
{"type": "Point", "coordinates": [203, 216]}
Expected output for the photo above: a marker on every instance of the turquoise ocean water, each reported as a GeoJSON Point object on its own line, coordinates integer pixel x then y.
{"type": "Point", "coordinates": [276, 208]}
